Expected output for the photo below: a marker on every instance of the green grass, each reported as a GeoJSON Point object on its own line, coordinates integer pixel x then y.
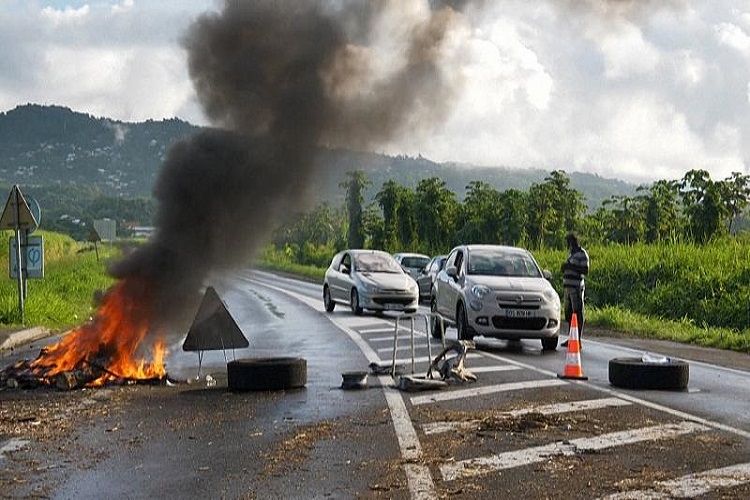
{"type": "Point", "coordinates": [64, 296]}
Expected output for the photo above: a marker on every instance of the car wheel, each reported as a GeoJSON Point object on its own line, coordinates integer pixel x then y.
{"type": "Point", "coordinates": [356, 309]}
{"type": "Point", "coordinates": [462, 324]}
{"type": "Point", "coordinates": [266, 374]}
{"type": "Point", "coordinates": [549, 343]}
{"type": "Point", "coordinates": [436, 323]}
{"type": "Point", "coordinates": [327, 300]}
{"type": "Point", "coordinates": [634, 373]}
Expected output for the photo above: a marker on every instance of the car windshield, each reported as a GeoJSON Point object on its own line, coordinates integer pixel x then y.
{"type": "Point", "coordinates": [502, 262]}
{"type": "Point", "coordinates": [415, 262]}
{"type": "Point", "coordinates": [376, 263]}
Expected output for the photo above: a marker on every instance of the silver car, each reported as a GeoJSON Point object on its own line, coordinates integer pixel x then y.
{"type": "Point", "coordinates": [496, 291]}
{"type": "Point", "coordinates": [427, 276]}
{"type": "Point", "coordinates": [368, 279]}
{"type": "Point", "coordinates": [412, 263]}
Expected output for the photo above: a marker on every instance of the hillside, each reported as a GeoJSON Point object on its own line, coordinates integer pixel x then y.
{"type": "Point", "coordinates": [71, 161]}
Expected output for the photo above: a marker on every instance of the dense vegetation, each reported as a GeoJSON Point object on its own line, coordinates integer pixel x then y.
{"type": "Point", "coordinates": [670, 252]}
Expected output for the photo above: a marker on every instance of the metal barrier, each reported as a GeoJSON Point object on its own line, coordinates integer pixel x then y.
{"type": "Point", "coordinates": [428, 332]}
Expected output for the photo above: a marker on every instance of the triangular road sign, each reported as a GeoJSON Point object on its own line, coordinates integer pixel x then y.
{"type": "Point", "coordinates": [17, 214]}
{"type": "Point", "coordinates": [213, 328]}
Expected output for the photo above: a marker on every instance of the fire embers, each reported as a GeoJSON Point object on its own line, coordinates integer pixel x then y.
{"type": "Point", "coordinates": [108, 349]}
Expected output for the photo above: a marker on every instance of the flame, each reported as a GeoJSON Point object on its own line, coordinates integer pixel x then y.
{"type": "Point", "coordinates": [111, 341]}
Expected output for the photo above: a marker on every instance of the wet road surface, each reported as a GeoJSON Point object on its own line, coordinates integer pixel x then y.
{"type": "Point", "coordinates": [519, 429]}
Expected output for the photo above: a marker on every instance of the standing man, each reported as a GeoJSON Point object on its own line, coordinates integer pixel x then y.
{"type": "Point", "coordinates": [575, 267]}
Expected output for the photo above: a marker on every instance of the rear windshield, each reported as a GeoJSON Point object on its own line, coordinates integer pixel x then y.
{"type": "Point", "coordinates": [500, 262]}
{"type": "Point", "coordinates": [415, 262]}
{"type": "Point", "coordinates": [376, 263]}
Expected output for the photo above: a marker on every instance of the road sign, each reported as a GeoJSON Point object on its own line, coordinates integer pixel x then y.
{"type": "Point", "coordinates": [106, 229]}
{"type": "Point", "coordinates": [17, 214]}
{"type": "Point", "coordinates": [32, 254]}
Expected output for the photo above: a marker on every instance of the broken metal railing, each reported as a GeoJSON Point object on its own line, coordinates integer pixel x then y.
{"type": "Point", "coordinates": [428, 332]}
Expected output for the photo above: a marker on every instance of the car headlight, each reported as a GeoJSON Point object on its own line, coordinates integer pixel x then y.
{"type": "Point", "coordinates": [551, 295]}
{"type": "Point", "coordinates": [479, 291]}
{"type": "Point", "coordinates": [370, 287]}
{"type": "Point", "coordinates": [413, 287]}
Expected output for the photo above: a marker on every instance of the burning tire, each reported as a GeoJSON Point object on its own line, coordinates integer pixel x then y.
{"type": "Point", "coordinates": [634, 373]}
{"type": "Point", "coordinates": [266, 374]}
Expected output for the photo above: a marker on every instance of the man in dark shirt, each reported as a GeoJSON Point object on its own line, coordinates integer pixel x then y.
{"type": "Point", "coordinates": [575, 267]}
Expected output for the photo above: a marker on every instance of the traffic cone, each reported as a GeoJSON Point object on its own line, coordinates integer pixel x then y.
{"type": "Point", "coordinates": [573, 367]}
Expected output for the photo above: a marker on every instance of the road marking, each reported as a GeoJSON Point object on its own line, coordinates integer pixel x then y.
{"type": "Point", "coordinates": [692, 485]}
{"type": "Point", "coordinates": [484, 390]}
{"type": "Point", "coordinates": [519, 458]}
{"type": "Point", "coordinates": [551, 409]}
{"type": "Point", "coordinates": [13, 444]}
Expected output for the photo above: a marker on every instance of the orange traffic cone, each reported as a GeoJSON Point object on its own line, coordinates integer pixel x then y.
{"type": "Point", "coordinates": [573, 367]}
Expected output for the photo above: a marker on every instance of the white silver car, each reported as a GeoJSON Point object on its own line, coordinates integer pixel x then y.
{"type": "Point", "coordinates": [496, 291]}
{"type": "Point", "coordinates": [368, 279]}
{"type": "Point", "coordinates": [413, 263]}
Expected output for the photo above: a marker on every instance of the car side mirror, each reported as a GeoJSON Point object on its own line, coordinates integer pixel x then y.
{"type": "Point", "coordinates": [547, 274]}
{"type": "Point", "coordinates": [452, 272]}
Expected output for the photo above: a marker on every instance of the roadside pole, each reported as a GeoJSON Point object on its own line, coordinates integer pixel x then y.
{"type": "Point", "coordinates": [18, 216]}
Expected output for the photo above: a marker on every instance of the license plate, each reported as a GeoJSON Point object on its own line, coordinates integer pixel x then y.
{"type": "Point", "coordinates": [518, 313]}
{"type": "Point", "coordinates": [393, 307]}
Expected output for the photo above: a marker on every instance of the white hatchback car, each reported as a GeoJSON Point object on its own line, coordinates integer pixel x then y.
{"type": "Point", "coordinates": [496, 291]}
{"type": "Point", "coordinates": [369, 279]}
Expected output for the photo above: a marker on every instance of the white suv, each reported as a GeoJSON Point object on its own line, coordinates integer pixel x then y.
{"type": "Point", "coordinates": [496, 291]}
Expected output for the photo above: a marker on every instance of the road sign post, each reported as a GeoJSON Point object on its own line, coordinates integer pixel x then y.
{"type": "Point", "coordinates": [18, 216]}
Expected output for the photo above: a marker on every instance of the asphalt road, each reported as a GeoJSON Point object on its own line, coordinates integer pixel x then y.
{"type": "Point", "coordinates": [519, 429]}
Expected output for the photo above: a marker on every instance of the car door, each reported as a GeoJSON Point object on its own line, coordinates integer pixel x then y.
{"type": "Point", "coordinates": [449, 286]}
{"type": "Point", "coordinates": [341, 281]}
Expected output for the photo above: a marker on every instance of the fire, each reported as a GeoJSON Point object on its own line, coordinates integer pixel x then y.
{"type": "Point", "coordinates": [111, 342]}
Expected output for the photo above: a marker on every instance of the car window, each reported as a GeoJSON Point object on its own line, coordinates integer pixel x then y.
{"type": "Point", "coordinates": [501, 262]}
{"type": "Point", "coordinates": [414, 262]}
{"type": "Point", "coordinates": [346, 262]}
{"type": "Point", "coordinates": [376, 263]}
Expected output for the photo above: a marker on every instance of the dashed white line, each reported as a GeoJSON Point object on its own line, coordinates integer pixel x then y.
{"type": "Point", "coordinates": [484, 390]}
{"type": "Point", "coordinates": [512, 459]}
{"type": "Point", "coordinates": [551, 409]}
{"type": "Point", "coordinates": [690, 486]}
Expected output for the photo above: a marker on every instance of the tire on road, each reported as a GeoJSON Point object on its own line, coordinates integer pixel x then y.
{"type": "Point", "coordinates": [266, 374]}
{"type": "Point", "coordinates": [634, 373]}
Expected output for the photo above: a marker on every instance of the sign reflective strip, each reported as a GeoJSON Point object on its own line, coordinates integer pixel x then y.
{"type": "Point", "coordinates": [482, 391]}
{"type": "Point", "coordinates": [553, 409]}
{"type": "Point", "coordinates": [692, 485]}
{"type": "Point", "coordinates": [519, 458]}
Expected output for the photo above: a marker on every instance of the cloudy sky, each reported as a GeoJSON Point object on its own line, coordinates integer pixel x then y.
{"type": "Point", "coordinates": [639, 91]}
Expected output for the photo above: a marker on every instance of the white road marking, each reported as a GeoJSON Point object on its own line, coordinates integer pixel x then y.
{"type": "Point", "coordinates": [13, 444]}
{"type": "Point", "coordinates": [511, 459]}
{"type": "Point", "coordinates": [484, 390]}
{"type": "Point", "coordinates": [690, 486]}
{"type": "Point", "coordinates": [551, 409]}
{"type": "Point", "coordinates": [421, 485]}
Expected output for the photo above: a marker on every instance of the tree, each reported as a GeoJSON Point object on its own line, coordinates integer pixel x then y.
{"type": "Point", "coordinates": [513, 210]}
{"type": "Point", "coordinates": [660, 210]}
{"type": "Point", "coordinates": [735, 191]}
{"type": "Point", "coordinates": [355, 236]}
{"type": "Point", "coordinates": [435, 210]}
{"type": "Point", "coordinates": [554, 209]}
{"type": "Point", "coordinates": [481, 214]}
{"type": "Point", "coordinates": [704, 205]}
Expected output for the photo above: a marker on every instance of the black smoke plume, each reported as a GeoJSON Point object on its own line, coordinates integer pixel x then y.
{"type": "Point", "coordinates": [279, 80]}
